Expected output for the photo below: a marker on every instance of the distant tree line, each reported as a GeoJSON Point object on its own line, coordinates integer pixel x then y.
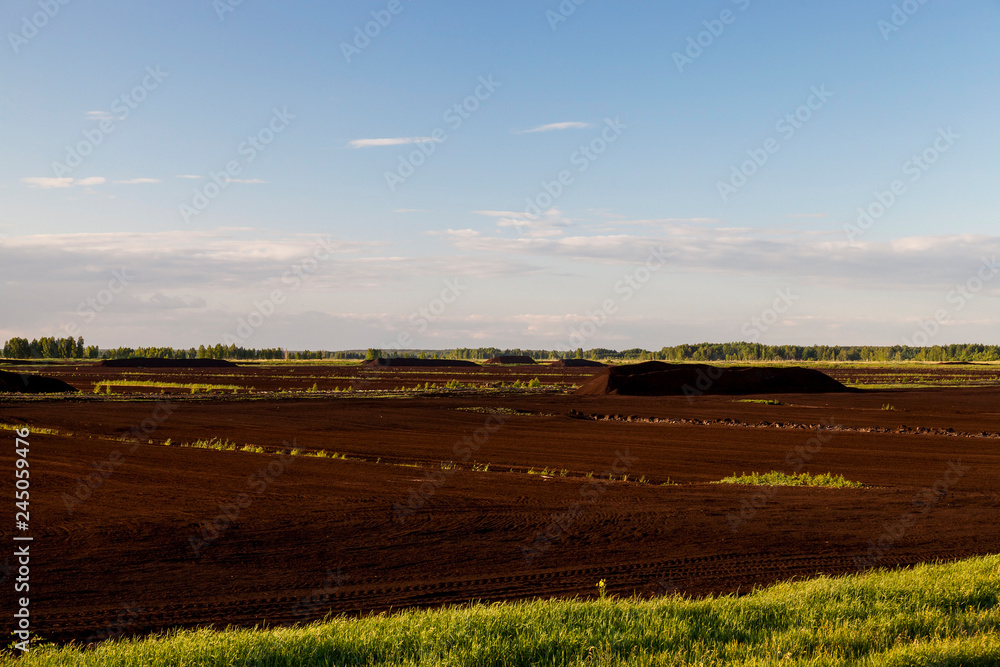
{"type": "Point", "coordinates": [49, 348]}
{"type": "Point", "coordinates": [69, 348]}
{"type": "Point", "coordinates": [758, 352]}
{"type": "Point", "coordinates": [217, 351]}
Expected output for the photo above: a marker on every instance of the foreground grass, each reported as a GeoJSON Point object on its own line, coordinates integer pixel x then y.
{"type": "Point", "coordinates": [929, 615]}
{"type": "Point", "coordinates": [775, 478]}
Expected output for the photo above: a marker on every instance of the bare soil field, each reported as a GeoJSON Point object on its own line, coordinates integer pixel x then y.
{"type": "Point", "coordinates": [474, 494]}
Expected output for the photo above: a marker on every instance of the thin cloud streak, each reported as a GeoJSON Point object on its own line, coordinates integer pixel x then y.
{"type": "Point", "coordinates": [49, 183]}
{"type": "Point", "coordinates": [391, 141]}
{"type": "Point", "coordinates": [553, 127]}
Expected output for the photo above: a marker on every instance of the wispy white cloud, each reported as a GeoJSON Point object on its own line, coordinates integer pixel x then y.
{"type": "Point", "coordinates": [666, 221]}
{"type": "Point", "coordinates": [99, 115]}
{"type": "Point", "coordinates": [188, 176]}
{"type": "Point", "coordinates": [93, 180]}
{"type": "Point", "coordinates": [138, 181]}
{"type": "Point", "coordinates": [247, 181]}
{"type": "Point", "coordinates": [571, 125]}
{"type": "Point", "coordinates": [48, 183]}
{"type": "Point", "coordinates": [550, 223]}
{"type": "Point", "coordinates": [938, 262]}
{"type": "Point", "coordinates": [392, 141]}
{"type": "Point", "coordinates": [233, 260]}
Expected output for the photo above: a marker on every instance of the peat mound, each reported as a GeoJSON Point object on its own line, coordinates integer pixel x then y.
{"type": "Point", "coordinates": [31, 384]}
{"type": "Point", "coordinates": [425, 363]}
{"type": "Point", "coordinates": [656, 378]}
{"type": "Point", "coordinates": [155, 362]}
{"type": "Point", "coordinates": [577, 363]}
{"type": "Point", "coordinates": [511, 361]}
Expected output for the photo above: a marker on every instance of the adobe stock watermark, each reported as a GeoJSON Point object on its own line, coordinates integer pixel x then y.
{"type": "Point", "coordinates": [625, 289]}
{"type": "Point", "coordinates": [590, 493]}
{"type": "Point", "coordinates": [223, 7]}
{"type": "Point", "coordinates": [86, 487]}
{"type": "Point", "coordinates": [257, 483]}
{"type": "Point", "coordinates": [254, 145]}
{"type": "Point", "coordinates": [92, 306]}
{"type": "Point", "coordinates": [914, 169]}
{"type": "Point", "coordinates": [580, 160]}
{"type": "Point", "coordinates": [107, 122]}
{"type": "Point", "coordinates": [454, 116]}
{"type": "Point", "coordinates": [922, 503]}
{"type": "Point", "coordinates": [264, 308]}
{"type": "Point", "coordinates": [957, 297]}
{"type": "Point", "coordinates": [899, 17]}
{"type": "Point", "coordinates": [787, 127]}
{"type": "Point", "coordinates": [464, 450]}
{"type": "Point", "coordinates": [714, 28]}
{"type": "Point", "coordinates": [796, 460]}
{"type": "Point", "coordinates": [363, 36]}
{"type": "Point", "coordinates": [31, 26]}
{"type": "Point", "coordinates": [562, 13]}
{"type": "Point", "coordinates": [755, 326]}
{"type": "Point", "coordinates": [319, 599]}
{"type": "Point", "coordinates": [421, 319]}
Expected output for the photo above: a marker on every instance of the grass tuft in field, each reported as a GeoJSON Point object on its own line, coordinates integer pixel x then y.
{"type": "Point", "coordinates": [775, 478]}
{"type": "Point", "coordinates": [218, 444]}
{"type": "Point", "coordinates": [34, 430]}
{"type": "Point", "coordinates": [495, 411]}
{"type": "Point", "coordinates": [938, 614]}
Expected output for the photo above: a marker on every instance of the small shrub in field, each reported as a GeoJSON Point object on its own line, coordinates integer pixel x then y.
{"type": "Point", "coordinates": [775, 478]}
{"type": "Point", "coordinates": [217, 444]}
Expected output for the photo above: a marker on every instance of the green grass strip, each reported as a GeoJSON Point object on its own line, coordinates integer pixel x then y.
{"type": "Point", "coordinates": [775, 478]}
{"type": "Point", "coordinates": [929, 615]}
{"type": "Point", "coordinates": [194, 387]}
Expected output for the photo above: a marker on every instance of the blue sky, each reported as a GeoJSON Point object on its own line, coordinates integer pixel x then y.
{"type": "Point", "coordinates": [700, 182]}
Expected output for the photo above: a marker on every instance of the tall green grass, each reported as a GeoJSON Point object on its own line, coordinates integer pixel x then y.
{"type": "Point", "coordinates": [929, 615]}
{"type": "Point", "coordinates": [775, 478]}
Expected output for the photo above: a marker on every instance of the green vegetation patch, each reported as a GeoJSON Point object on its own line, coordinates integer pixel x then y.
{"type": "Point", "coordinates": [512, 412]}
{"type": "Point", "coordinates": [762, 401]}
{"type": "Point", "coordinates": [775, 478]}
{"type": "Point", "coordinates": [218, 444]}
{"type": "Point", "coordinates": [34, 430]}
{"type": "Point", "coordinates": [106, 385]}
{"type": "Point", "coordinates": [928, 615]}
